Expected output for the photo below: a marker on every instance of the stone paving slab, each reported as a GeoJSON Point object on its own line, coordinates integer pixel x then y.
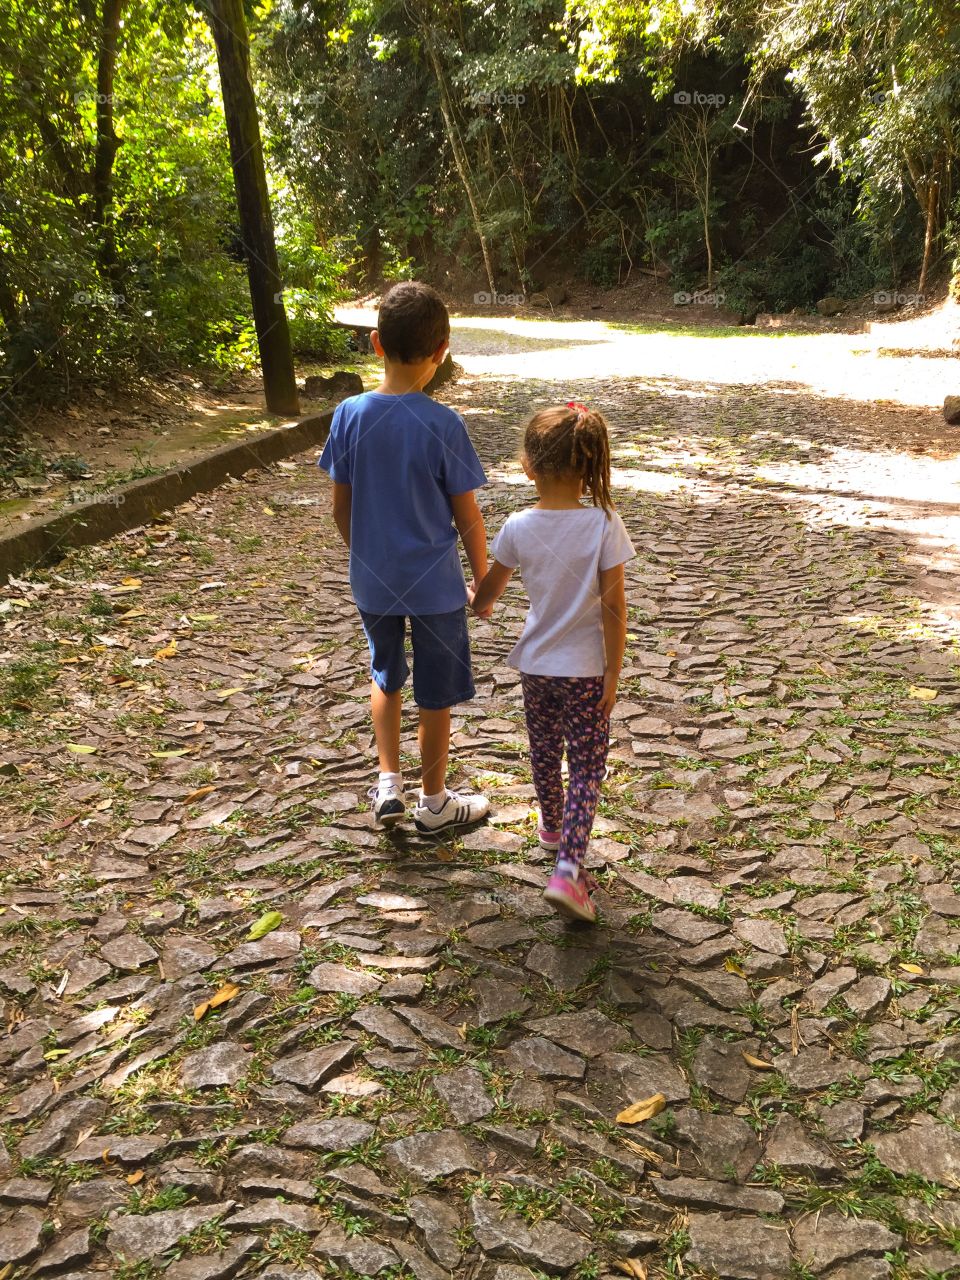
{"type": "Point", "coordinates": [418, 1071]}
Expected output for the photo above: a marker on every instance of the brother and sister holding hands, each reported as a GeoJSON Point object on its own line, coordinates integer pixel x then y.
{"type": "Point", "coordinates": [404, 473]}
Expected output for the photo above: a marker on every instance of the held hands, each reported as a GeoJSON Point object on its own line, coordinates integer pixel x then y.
{"type": "Point", "coordinates": [471, 597]}
{"type": "Point", "coordinates": [610, 681]}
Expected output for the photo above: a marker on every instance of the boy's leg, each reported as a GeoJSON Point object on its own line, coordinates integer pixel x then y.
{"type": "Point", "coordinates": [442, 677]}
{"type": "Point", "coordinates": [587, 734]}
{"type": "Point", "coordinates": [388, 670]}
{"type": "Point", "coordinates": [434, 738]}
{"type": "Point", "coordinates": [543, 712]}
{"type": "Point", "coordinates": [385, 709]}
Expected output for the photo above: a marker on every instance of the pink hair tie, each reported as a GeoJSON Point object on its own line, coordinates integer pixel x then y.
{"type": "Point", "coordinates": [581, 409]}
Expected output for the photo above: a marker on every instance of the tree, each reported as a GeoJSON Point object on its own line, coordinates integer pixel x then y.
{"type": "Point", "coordinates": [253, 202]}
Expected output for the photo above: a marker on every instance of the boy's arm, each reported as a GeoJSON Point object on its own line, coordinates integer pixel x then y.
{"type": "Point", "coordinates": [613, 607]}
{"type": "Point", "coordinates": [342, 503]}
{"type": "Point", "coordinates": [469, 521]}
{"type": "Point", "coordinates": [491, 589]}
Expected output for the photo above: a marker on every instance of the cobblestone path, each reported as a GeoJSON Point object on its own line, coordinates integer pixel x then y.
{"type": "Point", "coordinates": [418, 1071]}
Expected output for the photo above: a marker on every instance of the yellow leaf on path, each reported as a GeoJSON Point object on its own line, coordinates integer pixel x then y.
{"type": "Point", "coordinates": [269, 511]}
{"type": "Point", "coordinates": [80, 749]}
{"type": "Point", "coordinates": [922, 694]}
{"type": "Point", "coordinates": [132, 582]}
{"type": "Point", "coordinates": [168, 651]}
{"type": "Point", "coordinates": [911, 968]}
{"type": "Point", "coordinates": [632, 1267]}
{"type": "Point", "coordinates": [645, 1109]}
{"type": "Point", "coordinates": [759, 1063]}
{"type": "Point", "coordinates": [169, 755]}
{"type": "Point", "coordinates": [122, 591]}
{"type": "Point", "coordinates": [269, 921]}
{"type": "Point", "coordinates": [54, 1053]}
{"type": "Point", "coordinates": [198, 794]}
{"type": "Point", "coordinates": [223, 694]}
{"type": "Point", "coordinates": [135, 1177]}
{"type": "Point", "coordinates": [6, 1271]}
{"type": "Point", "coordinates": [731, 966]}
{"type": "Point", "coordinates": [225, 993]}
{"type": "Point", "coordinates": [131, 614]}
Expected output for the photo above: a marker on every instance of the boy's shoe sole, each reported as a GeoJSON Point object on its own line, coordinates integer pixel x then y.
{"type": "Point", "coordinates": [389, 811]}
{"type": "Point", "coordinates": [571, 898]}
{"type": "Point", "coordinates": [457, 811]}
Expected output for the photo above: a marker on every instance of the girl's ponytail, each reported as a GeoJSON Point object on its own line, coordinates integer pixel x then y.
{"type": "Point", "coordinates": [572, 438]}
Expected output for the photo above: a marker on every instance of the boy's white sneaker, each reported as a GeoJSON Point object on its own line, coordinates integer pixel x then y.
{"type": "Point", "coordinates": [389, 806]}
{"type": "Point", "coordinates": [458, 810]}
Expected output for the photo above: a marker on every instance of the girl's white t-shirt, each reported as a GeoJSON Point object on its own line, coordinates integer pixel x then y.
{"type": "Point", "coordinates": [560, 555]}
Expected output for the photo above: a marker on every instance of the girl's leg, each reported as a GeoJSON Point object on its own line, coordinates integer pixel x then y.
{"type": "Point", "coordinates": [587, 734]}
{"type": "Point", "coordinates": [545, 730]}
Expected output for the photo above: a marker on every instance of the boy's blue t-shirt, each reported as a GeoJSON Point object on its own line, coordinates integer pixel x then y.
{"type": "Point", "coordinates": [404, 456]}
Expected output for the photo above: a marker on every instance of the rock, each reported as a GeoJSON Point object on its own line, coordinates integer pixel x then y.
{"type": "Point", "coordinates": [221, 1063]}
{"type": "Point", "coordinates": [310, 1069]}
{"type": "Point", "coordinates": [824, 1239]}
{"type": "Point", "coordinates": [556, 294]}
{"type": "Point", "coordinates": [539, 300]}
{"type": "Point", "coordinates": [868, 997]}
{"type": "Point", "coordinates": [718, 1144]}
{"type": "Point", "coordinates": [417, 1262]}
{"type": "Point", "coordinates": [86, 973]}
{"type": "Point", "coordinates": [635, 1076]}
{"type": "Point", "coordinates": [547, 1245]}
{"type": "Point", "coordinates": [337, 387]}
{"type": "Point", "coordinates": [540, 1057]}
{"type": "Point", "coordinates": [94, 1198]}
{"type": "Point", "coordinates": [386, 1026]}
{"type": "Point", "coordinates": [182, 954]}
{"type": "Point", "coordinates": [843, 1122]}
{"type": "Point", "coordinates": [695, 1193]}
{"type": "Point", "coordinates": [60, 1132]}
{"type": "Point", "coordinates": [162, 917]}
{"type": "Point", "coordinates": [123, 1150]}
{"type": "Point", "coordinates": [134, 1237]}
{"type": "Point", "coordinates": [434, 1155]}
{"type": "Point", "coordinates": [951, 410]}
{"type": "Point", "coordinates": [128, 952]}
{"type": "Point", "coordinates": [831, 305]}
{"type": "Point", "coordinates": [815, 1068]}
{"type": "Point", "coordinates": [930, 1150]}
{"type": "Point", "coordinates": [464, 1094]}
{"type": "Point", "coordinates": [762, 934]}
{"type": "Point", "coordinates": [275, 946]}
{"type": "Point", "coordinates": [498, 1000]}
{"type": "Point", "coordinates": [436, 1224]}
{"type": "Point", "coordinates": [748, 1249]}
{"type": "Point", "coordinates": [436, 1031]}
{"type": "Point", "coordinates": [267, 1213]}
{"type": "Point", "coordinates": [26, 1191]}
{"type": "Point", "coordinates": [588, 1032]}
{"type": "Point", "coordinates": [718, 1065]}
{"type": "Point", "coordinates": [66, 1249]}
{"type": "Point", "coordinates": [338, 1133]}
{"type": "Point", "coordinates": [563, 967]}
{"type": "Point", "coordinates": [362, 1256]}
{"type": "Point", "coordinates": [790, 1148]}
{"type": "Point", "coordinates": [21, 1235]}
{"type": "Point", "coordinates": [220, 1265]}
{"type": "Point", "coordinates": [341, 980]}
{"type": "Point", "coordinates": [447, 371]}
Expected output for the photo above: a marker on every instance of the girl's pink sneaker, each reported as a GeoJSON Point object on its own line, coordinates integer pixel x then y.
{"type": "Point", "coordinates": [572, 897]}
{"type": "Point", "coordinates": [549, 839]}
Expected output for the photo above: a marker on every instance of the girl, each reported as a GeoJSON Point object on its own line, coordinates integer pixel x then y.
{"type": "Point", "coordinates": [571, 559]}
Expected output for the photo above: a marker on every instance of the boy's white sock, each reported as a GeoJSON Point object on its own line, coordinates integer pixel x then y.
{"type": "Point", "coordinates": [436, 802]}
{"type": "Point", "coordinates": [387, 780]}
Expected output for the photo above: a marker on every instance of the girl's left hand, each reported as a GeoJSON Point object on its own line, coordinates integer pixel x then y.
{"type": "Point", "coordinates": [610, 681]}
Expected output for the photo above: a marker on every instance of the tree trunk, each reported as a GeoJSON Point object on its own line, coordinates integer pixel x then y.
{"type": "Point", "coordinates": [253, 202]}
{"type": "Point", "coordinates": [460, 158]}
{"type": "Point", "coordinates": [107, 140]}
{"type": "Point", "coordinates": [930, 230]}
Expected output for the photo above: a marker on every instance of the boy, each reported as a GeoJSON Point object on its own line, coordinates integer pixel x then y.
{"type": "Point", "coordinates": [404, 473]}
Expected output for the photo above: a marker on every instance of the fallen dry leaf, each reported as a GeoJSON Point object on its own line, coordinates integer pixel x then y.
{"type": "Point", "coordinates": [168, 651]}
{"type": "Point", "coordinates": [921, 693]}
{"type": "Point", "coordinates": [911, 968]}
{"type": "Point", "coordinates": [219, 997]}
{"type": "Point", "coordinates": [731, 966]}
{"type": "Point", "coordinates": [759, 1063]}
{"type": "Point", "coordinates": [79, 749]}
{"type": "Point", "coordinates": [169, 755]}
{"type": "Point", "coordinates": [632, 1267]}
{"type": "Point", "coordinates": [223, 694]}
{"type": "Point", "coordinates": [645, 1109]}
{"type": "Point", "coordinates": [135, 1177]}
{"type": "Point", "coordinates": [198, 794]}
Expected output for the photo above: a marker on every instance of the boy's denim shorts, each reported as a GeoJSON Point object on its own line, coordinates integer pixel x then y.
{"type": "Point", "coordinates": [442, 675]}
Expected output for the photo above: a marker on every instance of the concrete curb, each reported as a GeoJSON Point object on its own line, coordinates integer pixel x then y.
{"type": "Point", "coordinates": [44, 540]}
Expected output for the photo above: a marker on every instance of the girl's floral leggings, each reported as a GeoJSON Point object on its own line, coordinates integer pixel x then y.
{"type": "Point", "coordinates": [565, 709]}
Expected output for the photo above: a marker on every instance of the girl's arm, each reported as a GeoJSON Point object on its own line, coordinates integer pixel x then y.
{"type": "Point", "coordinates": [613, 606]}
{"type": "Point", "coordinates": [491, 589]}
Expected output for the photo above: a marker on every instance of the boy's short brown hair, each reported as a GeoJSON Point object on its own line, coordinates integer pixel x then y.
{"type": "Point", "coordinates": [413, 322]}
